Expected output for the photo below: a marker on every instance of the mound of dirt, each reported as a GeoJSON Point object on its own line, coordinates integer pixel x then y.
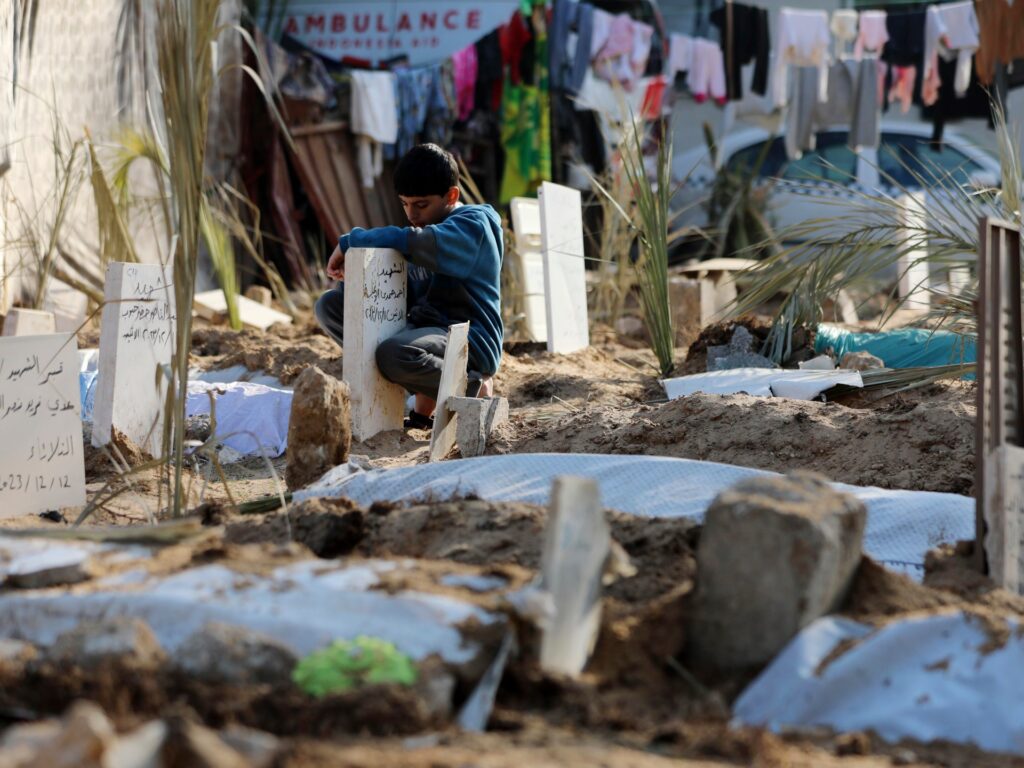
{"type": "Point", "coordinates": [926, 445]}
{"type": "Point", "coordinates": [284, 356]}
{"type": "Point", "coordinates": [98, 464]}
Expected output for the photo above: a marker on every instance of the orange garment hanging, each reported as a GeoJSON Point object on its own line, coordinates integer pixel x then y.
{"type": "Point", "coordinates": [1001, 33]}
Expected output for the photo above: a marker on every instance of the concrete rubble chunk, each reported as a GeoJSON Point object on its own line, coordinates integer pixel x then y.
{"type": "Point", "coordinates": [260, 294]}
{"type": "Point", "coordinates": [319, 429]}
{"type": "Point", "coordinates": [775, 554]}
{"type": "Point", "coordinates": [222, 653]}
{"type": "Point", "coordinates": [124, 640]}
{"type": "Point", "coordinates": [861, 361]}
{"type": "Point", "coordinates": [139, 748]}
{"type": "Point", "coordinates": [738, 353]}
{"type": "Point", "coordinates": [85, 735]}
{"type": "Point", "coordinates": [198, 747]}
{"type": "Point", "coordinates": [478, 418]}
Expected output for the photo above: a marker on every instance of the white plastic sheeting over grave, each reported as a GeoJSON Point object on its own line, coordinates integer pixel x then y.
{"type": "Point", "coordinates": [902, 525]}
{"type": "Point", "coordinates": [931, 677]}
{"type": "Point", "coordinates": [251, 418]}
{"type": "Point", "coordinates": [762, 382]}
{"type": "Point", "coordinates": [304, 605]}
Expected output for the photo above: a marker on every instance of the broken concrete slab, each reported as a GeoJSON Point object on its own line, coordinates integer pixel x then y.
{"type": "Point", "coordinates": [477, 419]}
{"type": "Point", "coordinates": [29, 322]}
{"type": "Point", "coordinates": [221, 653]}
{"type": "Point", "coordinates": [211, 305]}
{"type": "Point", "coordinates": [319, 427]}
{"type": "Point", "coordinates": [775, 554]}
{"type": "Point", "coordinates": [738, 353]}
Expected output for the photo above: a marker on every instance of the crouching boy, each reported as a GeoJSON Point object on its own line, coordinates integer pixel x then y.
{"type": "Point", "coordinates": [461, 247]}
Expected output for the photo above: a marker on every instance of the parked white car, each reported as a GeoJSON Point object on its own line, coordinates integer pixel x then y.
{"type": "Point", "coordinates": [797, 192]}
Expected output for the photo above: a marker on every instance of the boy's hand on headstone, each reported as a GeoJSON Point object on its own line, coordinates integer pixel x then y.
{"type": "Point", "coordinates": [336, 264]}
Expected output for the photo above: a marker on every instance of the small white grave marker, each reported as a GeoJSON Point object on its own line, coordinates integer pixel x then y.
{"type": "Point", "coordinates": [565, 282]}
{"type": "Point", "coordinates": [453, 384]}
{"type": "Point", "coordinates": [29, 322]}
{"type": "Point", "coordinates": [576, 544]}
{"type": "Point", "coordinates": [137, 331]}
{"type": "Point", "coordinates": [42, 466]}
{"type": "Point", "coordinates": [530, 257]}
{"type": "Point", "coordinates": [375, 306]}
{"type": "Point", "coordinates": [212, 305]}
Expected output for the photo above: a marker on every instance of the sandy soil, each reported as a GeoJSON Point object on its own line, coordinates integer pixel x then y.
{"type": "Point", "coordinates": [633, 706]}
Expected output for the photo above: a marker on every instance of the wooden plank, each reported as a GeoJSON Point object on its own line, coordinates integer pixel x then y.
{"type": "Point", "coordinates": [343, 158]}
{"type": "Point", "coordinates": [453, 384]}
{"type": "Point", "coordinates": [324, 169]}
{"type": "Point", "coordinates": [333, 126]}
{"type": "Point", "coordinates": [315, 193]}
{"type": "Point", "coordinates": [576, 544]}
{"type": "Point", "coordinates": [375, 297]}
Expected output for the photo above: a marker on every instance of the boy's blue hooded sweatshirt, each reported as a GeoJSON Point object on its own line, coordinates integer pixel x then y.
{"type": "Point", "coordinates": [464, 252]}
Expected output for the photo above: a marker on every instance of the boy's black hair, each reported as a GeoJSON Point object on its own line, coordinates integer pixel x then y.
{"type": "Point", "coordinates": [426, 169]}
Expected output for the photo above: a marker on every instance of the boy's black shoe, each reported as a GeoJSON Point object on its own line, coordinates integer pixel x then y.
{"type": "Point", "coordinates": [417, 420]}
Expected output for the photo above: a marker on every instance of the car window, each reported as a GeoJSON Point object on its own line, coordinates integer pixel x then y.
{"type": "Point", "coordinates": [831, 160]}
{"type": "Point", "coordinates": [744, 161]}
{"type": "Point", "coordinates": [904, 158]}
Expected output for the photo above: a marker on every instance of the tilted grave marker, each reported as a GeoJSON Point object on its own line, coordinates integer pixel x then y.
{"type": "Point", "coordinates": [576, 544]}
{"type": "Point", "coordinates": [137, 333]}
{"type": "Point", "coordinates": [565, 284]}
{"type": "Point", "coordinates": [42, 465]}
{"type": "Point", "coordinates": [453, 384]}
{"type": "Point", "coordinates": [999, 465]}
{"type": "Point", "coordinates": [375, 309]}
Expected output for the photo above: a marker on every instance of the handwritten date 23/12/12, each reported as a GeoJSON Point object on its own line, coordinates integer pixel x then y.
{"type": "Point", "coordinates": [16, 481]}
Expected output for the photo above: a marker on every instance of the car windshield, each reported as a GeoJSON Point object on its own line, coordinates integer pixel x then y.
{"type": "Point", "coordinates": [908, 160]}
{"type": "Point", "coordinates": [831, 160]}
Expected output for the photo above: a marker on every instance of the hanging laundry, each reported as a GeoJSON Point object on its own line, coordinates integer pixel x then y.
{"type": "Point", "coordinates": [844, 25]}
{"type": "Point", "coordinates": [853, 101]}
{"type": "Point", "coordinates": [707, 72]}
{"type": "Point", "coordinates": [374, 120]}
{"type": "Point", "coordinates": [425, 108]}
{"type": "Point", "coordinates": [873, 33]}
{"type": "Point", "coordinates": [569, 39]}
{"type": "Point", "coordinates": [1001, 36]}
{"type": "Point", "coordinates": [680, 55]}
{"type": "Point", "coordinates": [623, 57]}
{"type": "Point", "coordinates": [803, 104]}
{"type": "Point", "coordinates": [952, 32]}
{"type": "Point", "coordinates": [904, 53]}
{"type": "Point", "coordinates": [802, 39]}
{"type": "Point", "coordinates": [744, 35]}
{"type": "Point", "coordinates": [601, 29]}
{"type": "Point", "coordinates": [641, 53]}
{"type": "Point", "coordinates": [489, 75]}
{"type": "Point", "coordinates": [464, 67]}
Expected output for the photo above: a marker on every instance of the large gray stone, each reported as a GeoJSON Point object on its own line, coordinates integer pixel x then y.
{"type": "Point", "coordinates": [738, 353]}
{"type": "Point", "coordinates": [478, 418]}
{"type": "Point", "coordinates": [122, 640]}
{"type": "Point", "coordinates": [861, 361]}
{"type": "Point", "coordinates": [221, 653]}
{"type": "Point", "coordinates": [775, 554]}
{"type": "Point", "coordinates": [319, 429]}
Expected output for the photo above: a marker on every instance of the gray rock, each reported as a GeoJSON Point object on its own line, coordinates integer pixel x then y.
{"type": "Point", "coordinates": [124, 640]}
{"type": "Point", "coordinates": [319, 429]}
{"type": "Point", "coordinates": [222, 653]}
{"type": "Point", "coordinates": [478, 417]}
{"type": "Point", "coordinates": [775, 554]}
{"type": "Point", "coordinates": [738, 353]}
{"type": "Point", "coordinates": [861, 361]}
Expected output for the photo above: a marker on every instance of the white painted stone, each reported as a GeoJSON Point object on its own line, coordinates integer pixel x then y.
{"type": "Point", "coordinates": [564, 275]}
{"type": "Point", "coordinates": [576, 544]}
{"type": "Point", "coordinates": [912, 266]}
{"type": "Point", "coordinates": [477, 418]}
{"type": "Point", "coordinates": [375, 304]}
{"type": "Point", "coordinates": [29, 322]}
{"type": "Point", "coordinates": [137, 332]}
{"type": "Point", "coordinates": [530, 262]}
{"type": "Point", "coordinates": [41, 461]}
{"type": "Point", "coordinates": [212, 305]}
{"type": "Point", "coordinates": [453, 384]}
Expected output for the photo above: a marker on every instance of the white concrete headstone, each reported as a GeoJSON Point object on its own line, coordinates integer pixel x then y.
{"type": "Point", "coordinates": [565, 283]}
{"type": "Point", "coordinates": [530, 261]}
{"type": "Point", "coordinates": [375, 308]}
{"type": "Point", "coordinates": [576, 544]}
{"type": "Point", "coordinates": [137, 332]}
{"type": "Point", "coordinates": [912, 266]}
{"type": "Point", "coordinates": [42, 466]}
{"type": "Point", "coordinates": [29, 322]}
{"type": "Point", "coordinates": [453, 384]}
